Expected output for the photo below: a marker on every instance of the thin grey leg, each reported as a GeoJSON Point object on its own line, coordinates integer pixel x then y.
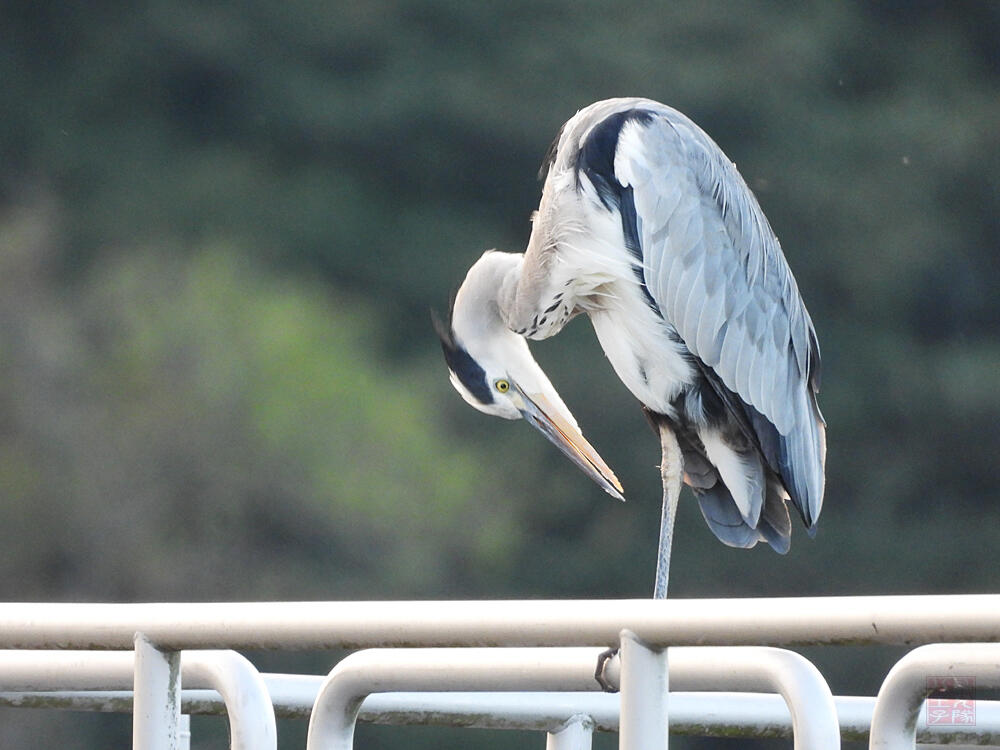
{"type": "Point", "coordinates": [671, 470]}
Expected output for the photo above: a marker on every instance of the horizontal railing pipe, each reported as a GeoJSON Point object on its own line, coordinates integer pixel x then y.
{"type": "Point", "coordinates": [60, 670]}
{"type": "Point", "coordinates": [716, 714]}
{"type": "Point", "coordinates": [899, 620]}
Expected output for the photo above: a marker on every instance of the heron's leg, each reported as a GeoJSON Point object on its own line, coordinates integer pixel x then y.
{"type": "Point", "coordinates": [671, 470]}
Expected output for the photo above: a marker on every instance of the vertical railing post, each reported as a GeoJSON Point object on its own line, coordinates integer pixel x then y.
{"type": "Point", "coordinates": [576, 734]}
{"type": "Point", "coordinates": [184, 732]}
{"type": "Point", "coordinates": [644, 687]}
{"type": "Point", "coordinates": [157, 688]}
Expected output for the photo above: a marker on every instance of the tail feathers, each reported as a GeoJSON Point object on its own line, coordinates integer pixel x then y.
{"type": "Point", "coordinates": [775, 525]}
{"type": "Point", "coordinates": [725, 520]}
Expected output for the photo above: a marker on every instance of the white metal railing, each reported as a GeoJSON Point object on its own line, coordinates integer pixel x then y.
{"type": "Point", "coordinates": [339, 700]}
{"type": "Point", "coordinates": [814, 715]}
{"type": "Point", "coordinates": [721, 714]}
{"type": "Point", "coordinates": [896, 620]}
{"type": "Point", "coordinates": [919, 673]}
{"type": "Point", "coordinates": [242, 690]}
{"type": "Point", "coordinates": [716, 714]}
{"type": "Point", "coordinates": [640, 629]}
{"type": "Point", "coordinates": [576, 733]}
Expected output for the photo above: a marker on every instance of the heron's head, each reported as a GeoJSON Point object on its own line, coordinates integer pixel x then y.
{"type": "Point", "coordinates": [492, 368]}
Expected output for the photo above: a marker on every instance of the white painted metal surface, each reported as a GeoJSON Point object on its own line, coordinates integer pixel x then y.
{"type": "Point", "coordinates": [643, 685]}
{"type": "Point", "coordinates": [835, 620]}
{"type": "Point", "coordinates": [248, 703]}
{"type": "Point", "coordinates": [331, 726]}
{"type": "Point", "coordinates": [576, 734]}
{"type": "Point", "coordinates": [717, 714]}
{"type": "Point", "coordinates": [243, 693]}
{"type": "Point", "coordinates": [916, 675]}
{"type": "Point", "coordinates": [156, 714]}
{"type": "Point", "coordinates": [66, 670]}
{"type": "Point", "coordinates": [641, 675]}
{"type": "Point", "coordinates": [754, 668]}
{"type": "Point", "coordinates": [906, 620]}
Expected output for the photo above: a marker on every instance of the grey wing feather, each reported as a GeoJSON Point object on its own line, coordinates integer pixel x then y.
{"type": "Point", "coordinates": [717, 273]}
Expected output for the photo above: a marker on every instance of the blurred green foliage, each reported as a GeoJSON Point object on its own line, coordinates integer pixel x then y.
{"type": "Point", "coordinates": [222, 225]}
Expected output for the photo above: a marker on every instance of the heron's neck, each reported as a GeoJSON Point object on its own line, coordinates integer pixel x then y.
{"type": "Point", "coordinates": [518, 295]}
{"type": "Point", "coordinates": [507, 294]}
{"type": "Point", "coordinates": [486, 297]}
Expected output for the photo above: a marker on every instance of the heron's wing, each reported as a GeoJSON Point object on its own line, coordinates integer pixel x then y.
{"type": "Point", "coordinates": [717, 274]}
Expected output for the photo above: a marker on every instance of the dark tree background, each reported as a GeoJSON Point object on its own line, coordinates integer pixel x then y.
{"type": "Point", "coordinates": [222, 225]}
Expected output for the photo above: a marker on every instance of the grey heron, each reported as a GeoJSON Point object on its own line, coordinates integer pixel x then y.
{"type": "Point", "coordinates": [646, 226]}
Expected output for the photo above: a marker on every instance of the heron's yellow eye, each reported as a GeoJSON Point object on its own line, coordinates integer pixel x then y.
{"type": "Point", "coordinates": [502, 385]}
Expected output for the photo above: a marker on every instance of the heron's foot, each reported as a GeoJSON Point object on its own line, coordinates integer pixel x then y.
{"type": "Point", "coordinates": [599, 673]}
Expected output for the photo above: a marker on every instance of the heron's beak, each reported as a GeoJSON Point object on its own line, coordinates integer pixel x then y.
{"type": "Point", "coordinates": [540, 413]}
